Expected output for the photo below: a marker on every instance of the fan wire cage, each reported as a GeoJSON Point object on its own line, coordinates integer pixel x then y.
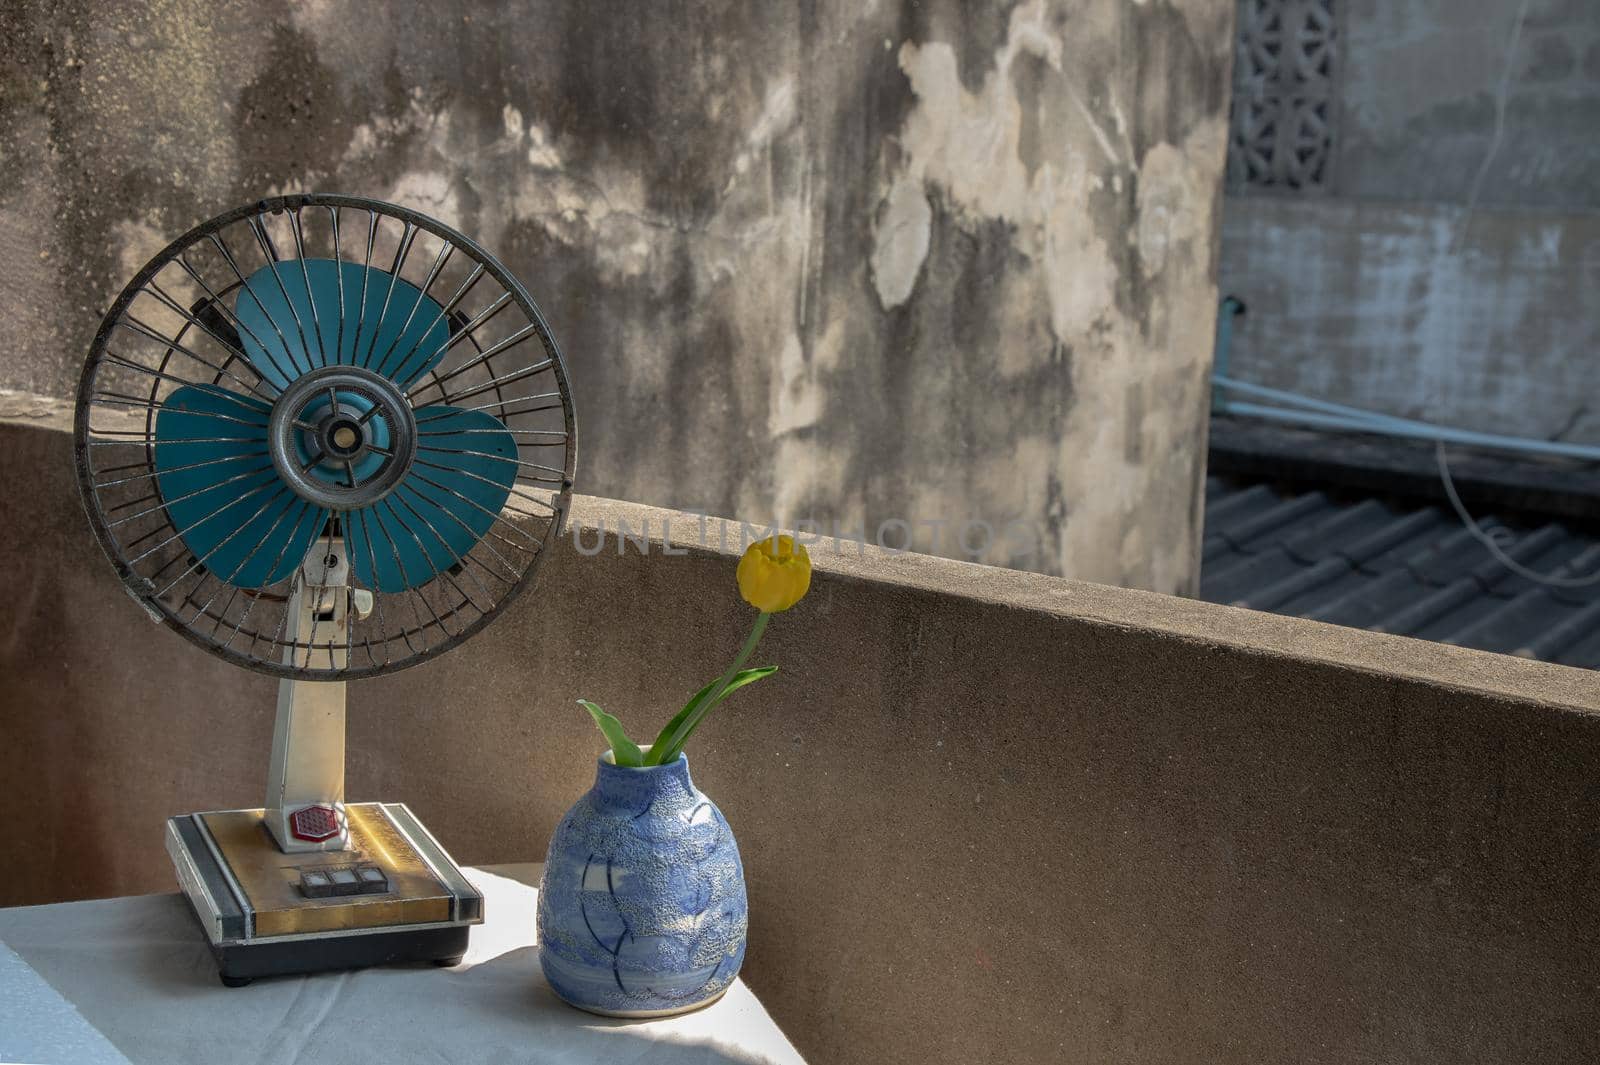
{"type": "Point", "coordinates": [320, 373]}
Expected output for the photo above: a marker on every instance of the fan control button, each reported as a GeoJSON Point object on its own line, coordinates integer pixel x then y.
{"type": "Point", "coordinates": [331, 881]}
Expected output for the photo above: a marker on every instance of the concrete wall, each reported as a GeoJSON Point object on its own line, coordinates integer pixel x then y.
{"type": "Point", "coordinates": [1487, 320]}
{"type": "Point", "coordinates": [1448, 271]}
{"type": "Point", "coordinates": [1485, 101]}
{"type": "Point", "coordinates": [985, 815]}
{"type": "Point", "coordinates": [919, 260]}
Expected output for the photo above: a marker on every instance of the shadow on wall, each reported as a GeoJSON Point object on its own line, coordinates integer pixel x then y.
{"type": "Point", "coordinates": [1149, 827]}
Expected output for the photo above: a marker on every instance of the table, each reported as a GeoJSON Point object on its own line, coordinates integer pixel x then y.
{"type": "Point", "coordinates": [137, 970]}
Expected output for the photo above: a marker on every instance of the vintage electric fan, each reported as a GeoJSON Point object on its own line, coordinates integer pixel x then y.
{"type": "Point", "coordinates": [324, 438]}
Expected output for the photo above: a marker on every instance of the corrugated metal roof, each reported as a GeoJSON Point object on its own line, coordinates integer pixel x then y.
{"type": "Point", "coordinates": [1406, 569]}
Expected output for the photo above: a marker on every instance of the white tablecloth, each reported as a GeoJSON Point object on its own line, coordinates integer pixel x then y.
{"type": "Point", "coordinates": [138, 970]}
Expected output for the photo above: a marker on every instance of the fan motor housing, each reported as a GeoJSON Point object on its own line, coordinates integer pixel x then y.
{"type": "Point", "coordinates": [342, 437]}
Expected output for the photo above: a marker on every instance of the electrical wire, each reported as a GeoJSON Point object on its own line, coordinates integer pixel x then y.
{"type": "Point", "coordinates": [1489, 542]}
{"type": "Point", "coordinates": [1331, 415]}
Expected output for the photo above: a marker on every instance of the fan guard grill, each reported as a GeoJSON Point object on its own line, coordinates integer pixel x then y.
{"type": "Point", "coordinates": [184, 378]}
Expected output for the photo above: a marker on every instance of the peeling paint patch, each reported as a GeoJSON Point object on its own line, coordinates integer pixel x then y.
{"type": "Point", "coordinates": [902, 242]}
{"type": "Point", "coordinates": [1170, 191]}
{"type": "Point", "coordinates": [430, 192]}
{"type": "Point", "coordinates": [994, 164]}
{"type": "Point", "coordinates": [777, 115]}
{"type": "Point", "coordinates": [137, 241]}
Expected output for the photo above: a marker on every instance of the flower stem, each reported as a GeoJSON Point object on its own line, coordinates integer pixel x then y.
{"type": "Point", "coordinates": [676, 742]}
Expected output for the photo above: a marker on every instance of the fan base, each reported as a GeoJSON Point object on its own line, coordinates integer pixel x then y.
{"type": "Point", "coordinates": [241, 964]}
{"type": "Point", "coordinates": [393, 896]}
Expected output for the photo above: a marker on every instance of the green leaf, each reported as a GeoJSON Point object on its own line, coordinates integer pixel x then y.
{"type": "Point", "coordinates": [677, 720]}
{"type": "Point", "coordinates": [670, 743]}
{"type": "Point", "coordinates": [743, 677]}
{"type": "Point", "coordinates": [672, 738]}
{"type": "Point", "coordinates": [623, 750]}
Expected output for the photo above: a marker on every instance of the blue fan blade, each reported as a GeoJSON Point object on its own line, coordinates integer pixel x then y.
{"type": "Point", "coordinates": [211, 447]}
{"type": "Point", "coordinates": [466, 464]}
{"type": "Point", "coordinates": [301, 314]}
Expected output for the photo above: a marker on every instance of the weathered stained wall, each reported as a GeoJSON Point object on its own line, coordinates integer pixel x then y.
{"type": "Point", "coordinates": [1488, 322]}
{"type": "Point", "coordinates": [848, 261]}
{"type": "Point", "coordinates": [1490, 101]}
{"type": "Point", "coordinates": [1448, 271]}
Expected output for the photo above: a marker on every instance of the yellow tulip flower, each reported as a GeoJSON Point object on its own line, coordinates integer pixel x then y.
{"type": "Point", "coordinates": [774, 574]}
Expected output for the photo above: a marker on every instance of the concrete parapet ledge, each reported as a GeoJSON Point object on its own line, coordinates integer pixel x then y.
{"type": "Point", "coordinates": [655, 530]}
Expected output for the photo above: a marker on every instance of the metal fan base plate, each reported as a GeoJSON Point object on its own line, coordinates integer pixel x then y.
{"type": "Point", "coordinates": [249, 898]}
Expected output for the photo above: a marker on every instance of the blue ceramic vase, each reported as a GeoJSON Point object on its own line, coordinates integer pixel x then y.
{"type": "Point", "coordinates": [642, 909]}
